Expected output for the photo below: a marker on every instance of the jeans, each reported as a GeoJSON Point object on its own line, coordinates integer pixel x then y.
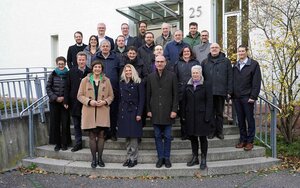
{"type": "Point", "coordinates": [163, 146]}
{"type": "Point", "coordinates": [245, 111]}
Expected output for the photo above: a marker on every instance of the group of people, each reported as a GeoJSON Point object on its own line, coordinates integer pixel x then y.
{"type": "Point", "coordinates": [111, 87]}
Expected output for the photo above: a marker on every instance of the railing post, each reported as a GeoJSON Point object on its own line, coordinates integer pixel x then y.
{"type": "Point", "coordinates": [273, 130]}
{"type": "Point", "coordinates": [30, 116]}
{"type": "Point", "coordinates": [39, 94]}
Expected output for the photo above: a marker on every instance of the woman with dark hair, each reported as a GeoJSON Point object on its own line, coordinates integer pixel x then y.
{"type": "Point", "coordinates": [182, 69]}
{"type": "Point", "coordinates": [59, 116]}
{"type": "Point", "coordinates": [197, 107]}
{"type": "Point", "coordinates": [132, 99]}
{"type": "Point", "coordinates": [91, 49]}
{"type": "Point", "coordinates": [131, 58]}
{"type": "Point", "coordinates": [96, 94]}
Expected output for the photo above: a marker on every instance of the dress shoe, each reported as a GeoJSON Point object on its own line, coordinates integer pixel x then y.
{"type": "Point", "coordinates": [159, 163]}
{"type": "Point", "coordinates": [220, 136]}
{"type": "Point", "coordinates": [211, 136]}
{"type": "Point", "coordinates": [126, 163]}
{"type": "Point", "coordinates": [248, 147]}
{"type": "Point", "coordinates": [132, 163]}
{"type": "Point", "coordinates": [240, 145]}
{"type": "Point", "coordinates": [168, 163]}
{"type": "Point", "coordinates": [94, 164]}
{"type": "Point", "coordinates": [57, 147]}
{"type": "Point", "coordinates": [203, 162]}
{"type": "Point", "coordinates": [193, 161]}
{"type": "Point", "coordinates": [76, 147]}
{"type": "Point", "coordinates": [64, 147]}
{"type": "Point", "coordinates": [114, 138]}
{"type": "Point", "coordinates": [100, 162]}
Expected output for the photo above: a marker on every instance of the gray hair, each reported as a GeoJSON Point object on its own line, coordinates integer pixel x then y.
{"type": "Point", "coordinates": [105, 41]}
{"type": "Point", "coordinates": [198, 68]}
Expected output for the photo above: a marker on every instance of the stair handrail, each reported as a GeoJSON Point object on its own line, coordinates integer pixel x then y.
{"type": "Point", "coordinates": [30, 110]}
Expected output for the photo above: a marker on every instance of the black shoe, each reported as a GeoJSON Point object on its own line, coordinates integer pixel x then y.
{"type": "Point", "coordinates": [211, 136]}
{"type": "Point", "coordinates": [76, 147]}
{"type": "Point", "coordinates": [139, 140]}
{"type": "Point", "coordinates": [193, 161]}
{"type": "Point", "coordinates": [203, 162]}
{"type": "Point", "coordinates": [132, 163]}
{"type": "Point", "coordinates": [64, 147]}
{"type": "Point", "coordinates": [126, 163]}
{"type": "Point", "coordinates": [114, 138]}
{"type": "Point", "coordinates": [159, 163]}
{"type": "Point", "coordinates": [220, 136]}
{"type": "Point", "coordinates": [94, 164]}
{"type": "Point", "coordinates": [168, 163]}
{"type": "Point", "coordinates": [100, 162]}
{"type": "Point", "coordinates": [57, 147]}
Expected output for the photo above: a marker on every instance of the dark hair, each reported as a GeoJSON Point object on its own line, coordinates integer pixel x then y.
{"type": "Point", "coordinates": [191, 51]}
{"type": "Point", "coordinates": [97, 62]}
{"type": "Point", "coordinates": [243, 46]}
{"type": "Point", "coordinates": [79, 32]}
{"type": "Point", "coordinates": [124, 24]}
{"type": "Point", "coordinates": [60, 58]}
{"type": "Point", "coordinates": [148, 32]}
{"type": "Point", "coordinates": [142, 22]}
{"type": "Point", "coordinates": [95, 38]}
{"type": "Point", "coordinates": [133, 48]}
{"type": "Point", "coordinates": [193, 23]}
{"type": "Point", "coordinates": [120, 36]}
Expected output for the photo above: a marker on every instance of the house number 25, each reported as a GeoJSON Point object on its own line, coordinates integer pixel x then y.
{"type": "Point", "coordinates": [195, 12]}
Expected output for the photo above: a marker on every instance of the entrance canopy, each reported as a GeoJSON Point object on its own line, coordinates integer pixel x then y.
{"type": "Point", "coordinates": [155, 12]}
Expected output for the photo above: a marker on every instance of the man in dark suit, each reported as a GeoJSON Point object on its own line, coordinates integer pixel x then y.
{"type": "Point", "coordinates": [73, 80]}
{"type": "Point", "coordinates": [129, 40]}
{"type": "Point", "coordinates": [162, 105]}
{"type": "Point", "coordinates": [101, 28]}
{"type": "Point", "coordinates": [73, 50]}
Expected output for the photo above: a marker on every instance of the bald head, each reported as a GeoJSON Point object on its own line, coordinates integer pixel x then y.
{"type": "Point", "coordinates": [215, 49]}
{"type": "Point", "coordinates": [165, 27]}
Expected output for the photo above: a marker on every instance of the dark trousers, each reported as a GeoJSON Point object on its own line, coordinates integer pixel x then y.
{"type": "Point", "coordinates": [59, 124]}
{"type": "Point", "coordinates": [218, 106]}
{"type": "Point", "coordinates": [195, 145]}
{"type": "Point", "coordinates": [182, 123]}
{"type": "Point", "coordinates": [77, 129]}
{"type": "Point", "coordinates": [163, 148]}
{"type": "Point", "coordinates": [245, 111]}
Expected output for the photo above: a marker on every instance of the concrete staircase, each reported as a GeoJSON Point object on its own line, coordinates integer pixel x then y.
{"type": "Point", "coordinates": [223, 157]}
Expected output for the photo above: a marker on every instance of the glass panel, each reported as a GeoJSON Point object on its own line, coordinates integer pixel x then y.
{"type": "Point", "coordinates": [232, 39]}
{"type": "Point", "coordinates": [232, 5]}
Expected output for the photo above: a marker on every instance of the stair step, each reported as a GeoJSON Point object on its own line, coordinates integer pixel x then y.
{"type": "Point", "coordinates": [150, 156]}
{"type": "Point", "coordinates": [177, 170]}
{"type": "Point", "coordinates": [148, 132]}
{"type": "Point", "coordinates": [177, 143]}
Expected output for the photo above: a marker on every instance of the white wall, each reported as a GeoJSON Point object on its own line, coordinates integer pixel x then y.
{"type": "Point", "coordinates": [26, 27]}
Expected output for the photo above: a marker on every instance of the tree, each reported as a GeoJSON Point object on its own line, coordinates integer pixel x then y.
{"type": "Point", "coordinates": [276, 27]}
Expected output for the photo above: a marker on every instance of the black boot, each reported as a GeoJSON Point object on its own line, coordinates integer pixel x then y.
{"type": "Point", "coordinates": [94, 162]}
{"type": "Point", "coordinates": [100, 162]}
{"type": "Point", "coordinates": [193, 161]}
{"type": "Point", "coordinates": [203, 161]}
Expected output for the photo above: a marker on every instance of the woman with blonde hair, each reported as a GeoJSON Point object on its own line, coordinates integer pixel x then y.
{"type": "Point", "coordinates": [96, 94]}
{"type": "Point", "coordinates": [132, 99]}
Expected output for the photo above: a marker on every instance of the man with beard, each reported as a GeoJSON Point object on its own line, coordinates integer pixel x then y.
{"type": "Point", "coordinates": [139, 40]}
{"type": "Point", "coordinates": [73, 50]}
{"type": "Point", "coordinates": [202, 50]}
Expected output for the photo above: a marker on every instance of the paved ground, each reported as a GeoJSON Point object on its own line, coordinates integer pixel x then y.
{"type": "Point", "coordinates": [272, 180]}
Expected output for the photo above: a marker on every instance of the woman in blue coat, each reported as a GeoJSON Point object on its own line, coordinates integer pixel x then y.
{"type": "Point", "coordinates": [132, 99]}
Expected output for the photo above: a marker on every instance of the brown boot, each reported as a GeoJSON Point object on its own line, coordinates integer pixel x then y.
{"type": "Point", "coordinates": [248, 147]}
{"type": "Point", "coordinates": [241, 145]}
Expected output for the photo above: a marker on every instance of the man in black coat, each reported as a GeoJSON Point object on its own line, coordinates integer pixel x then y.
{"type": "Point", "coordinates": [139, 40]}
{"type": "Point", "coordinates": [217, 72]}
{"type": "Point", "coordinates": [73, 50]}
{"type": "Point", "coordinates": [74, 77]}
{"type": "Point", "coordinates": [246, 88]}
{"type": "Point", "coordinates": [129, 40]}
{"type": "Point", "coordinates": [162, 105]}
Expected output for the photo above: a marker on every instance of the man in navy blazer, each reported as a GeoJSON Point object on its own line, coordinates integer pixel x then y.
{"type": "Point", "coordinates": [101, 28]}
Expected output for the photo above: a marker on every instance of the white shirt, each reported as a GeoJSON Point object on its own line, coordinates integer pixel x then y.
{"type": "Point", "coordinates": [243, 63]}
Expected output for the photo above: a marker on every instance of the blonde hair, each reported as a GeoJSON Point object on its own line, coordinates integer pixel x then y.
{"type": "Point", "coordinates": [135, 76]}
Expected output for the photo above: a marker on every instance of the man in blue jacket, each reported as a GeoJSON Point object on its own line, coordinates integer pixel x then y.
{"type": "Point", "coordinates": [246, 88]}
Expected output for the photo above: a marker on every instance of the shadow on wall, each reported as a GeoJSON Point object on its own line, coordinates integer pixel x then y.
{"type": "Point", "coordinates": [14, 139]}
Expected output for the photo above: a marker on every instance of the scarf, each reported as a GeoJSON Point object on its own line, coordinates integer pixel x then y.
{"type": "Point", "coordinates": [61, 72]}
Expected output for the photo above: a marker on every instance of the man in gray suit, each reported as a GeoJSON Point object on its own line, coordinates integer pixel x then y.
{"type": "Point", "coordinates": [202, 50]}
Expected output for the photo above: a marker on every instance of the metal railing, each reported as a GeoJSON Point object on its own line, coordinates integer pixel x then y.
{"type": "Point", "coordinates": [37, 104]}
